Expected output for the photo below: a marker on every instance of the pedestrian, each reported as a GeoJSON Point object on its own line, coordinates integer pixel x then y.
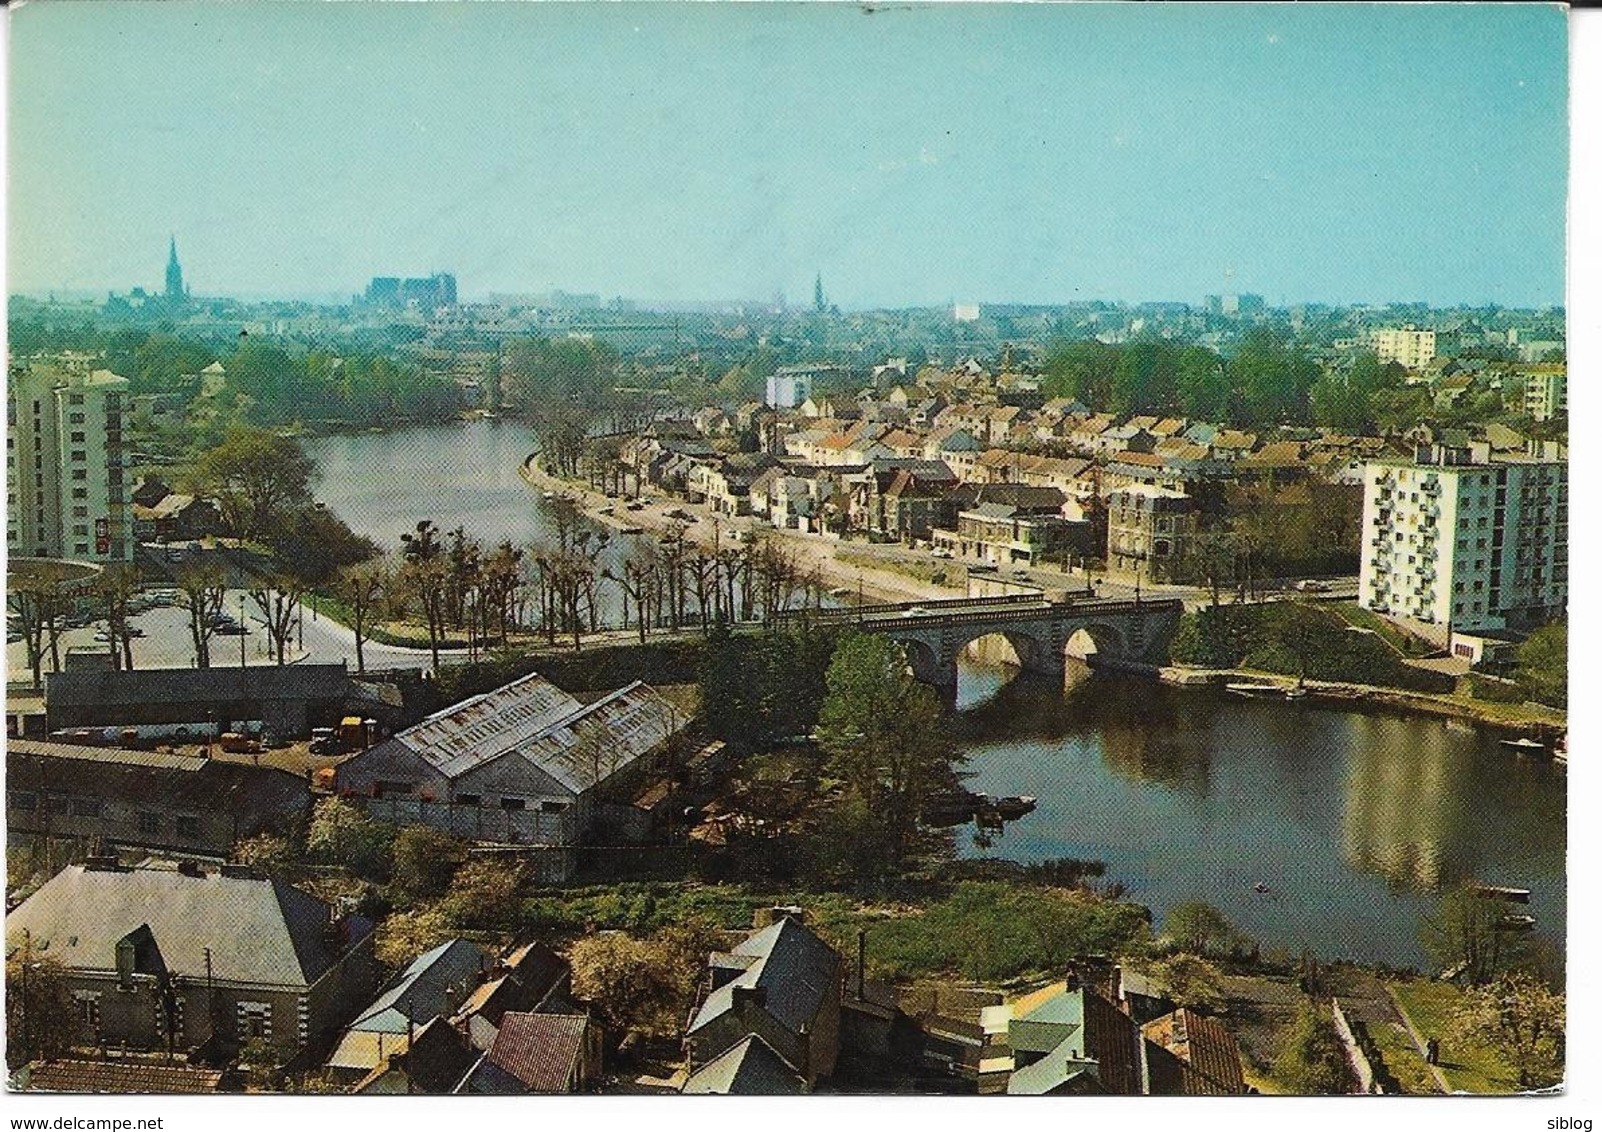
{"type": "Point", "coordinates": [1432, 1051]}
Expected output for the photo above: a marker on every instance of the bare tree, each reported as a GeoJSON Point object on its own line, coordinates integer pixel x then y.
{"type": "Point", "coordinates": [423, 576]}
{"type": "Point", "coordinates": [37, 603]}
{"type": "Point", "coordinates": [361, 587]}
{"type": "Point", "coordinates": [200, 595]}
{"type": "Point", "coordinates": [116, 587]}
{"type": "Point", "coordinates": [278, 600]}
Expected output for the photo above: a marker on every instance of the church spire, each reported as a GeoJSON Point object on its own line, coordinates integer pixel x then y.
{"type": "Point", "coordinates": [175, 273]}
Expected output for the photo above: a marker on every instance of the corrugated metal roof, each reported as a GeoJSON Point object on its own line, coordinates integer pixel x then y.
{"type": "Point", "coordinates": [485, 727]}
{"type": "Point", "coordinates": [541, 1050]}
{"type": "Point", "coordinates": [108, 755]}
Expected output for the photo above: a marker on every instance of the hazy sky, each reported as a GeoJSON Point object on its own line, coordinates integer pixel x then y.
{"type": "Point", "coordinates": [1036, 153]}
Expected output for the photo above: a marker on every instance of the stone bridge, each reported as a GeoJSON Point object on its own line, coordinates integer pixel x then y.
{"type": "Point", "coordinates": [934, 633]}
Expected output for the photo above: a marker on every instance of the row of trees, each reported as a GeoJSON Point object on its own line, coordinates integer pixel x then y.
{"type": "Point", "coordinates": [1268, 381]}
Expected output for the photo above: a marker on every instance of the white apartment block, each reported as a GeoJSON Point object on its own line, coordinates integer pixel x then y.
{"type": "Point", "coordinates": [1466, 545]}
{"type": "Point", "coordinates": [1546, 395]}
{"type": "Point", "coordinates": [1411, 347]}
{"type": "Point", "coordinates": [65, 495]}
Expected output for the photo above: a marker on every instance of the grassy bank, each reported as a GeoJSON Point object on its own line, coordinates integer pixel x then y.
{"type": "Point", "coordinates": [983, 930]}
{"type": "Point", "coordinates": [933, 572]}
{"type": "Point", "coordinates": [1296, 639]}
{"type": "Point", "coordinates": [1469, 1068]}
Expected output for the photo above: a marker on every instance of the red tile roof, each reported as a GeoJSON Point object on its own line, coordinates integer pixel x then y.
{"type": "Point", "coordinates": [540, 1050]}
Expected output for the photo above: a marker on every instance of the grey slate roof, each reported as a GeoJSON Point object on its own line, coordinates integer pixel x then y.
{"type": "Point", "coordinates": [434, 983]}
{"type": "Point", "coordinates": [747, 1068]}
{"type": "Point", "coordinates": [260, 932]}
{"type": "Point", "coordinates": [793, 966]}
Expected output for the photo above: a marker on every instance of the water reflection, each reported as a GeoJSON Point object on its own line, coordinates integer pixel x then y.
{"type": "Point", "coordinates": [1353, 822]}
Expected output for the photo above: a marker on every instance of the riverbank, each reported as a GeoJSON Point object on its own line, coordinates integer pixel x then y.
{"type": "Point", "coordinates": [1514, 718]}
{"type": "Point", "coordinates": [813, 552]}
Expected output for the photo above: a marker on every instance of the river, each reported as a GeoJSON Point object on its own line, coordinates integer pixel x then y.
{"type": "Point", "coordinates": [1354, 821]}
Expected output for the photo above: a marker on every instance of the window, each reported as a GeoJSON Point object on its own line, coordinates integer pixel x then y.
{"type": "Point", "coordinates": [80, 493]}
{"type": "Point", "coordinates": [79, 474]}
{"type": "Point", "coordinates": [23, 800]}
{"type": "Point", "coordinates": [553, 807]}
{"type": "Point", "coordinates": [469, 800]}
{"type": "Point", "coordinates": [75, 418]}
{"type": "Point", "coordinates": [72, 399]}
{"type": "Point", "coordinates": [55, 803]}
{"type": "Point", "coordinates": [188, 827]}
{"type": "Point", "coordinates": [81, 548]}
{"type": "Point", "coordinates": [513, 804]}
{"type": "Point", "coordinates": [88, 1003]}
{"type": "Point", "coordinates": [149, 823]}
{"type": "Point", "coordinates": [77, 457]}
{"type": "Point", "coordinates": [253, 1020]}
{"type": "Point", "coordinates": [389, 786]}
{"type": "Point", "coordinates": [86, 807]}
{"type": "Point", "coordinates": [77, 438]}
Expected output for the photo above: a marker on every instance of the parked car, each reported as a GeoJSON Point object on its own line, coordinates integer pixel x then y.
{"type": "Point", "coordinates": [1312, 586]}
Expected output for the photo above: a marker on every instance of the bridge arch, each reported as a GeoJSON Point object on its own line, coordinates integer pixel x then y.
{"type": "Point", "coordinates": [1094, 639]}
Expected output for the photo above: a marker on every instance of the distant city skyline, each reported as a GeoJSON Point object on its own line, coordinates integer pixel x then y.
{"type": "Point", "coordinates": [1040, 154]}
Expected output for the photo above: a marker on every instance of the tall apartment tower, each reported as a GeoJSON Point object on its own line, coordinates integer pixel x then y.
{"type": "Point", "coordinates": [65, 495]}
{"type": "Point", "coordinates": [1409, 346]}
{"type": "Point", "coordinates": [1466, 544]}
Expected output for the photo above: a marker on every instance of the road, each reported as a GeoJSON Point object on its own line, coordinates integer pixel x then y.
{"type": "Point", "coordinates": [166, 642]}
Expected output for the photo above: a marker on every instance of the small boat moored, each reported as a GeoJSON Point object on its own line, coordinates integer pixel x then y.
{"type": "Point", "coordinates": [1502, 892]}
{"type": "Point", "coordinates": [1255, 690]}
{"type": "Point", "coordinates": [1525, 745]}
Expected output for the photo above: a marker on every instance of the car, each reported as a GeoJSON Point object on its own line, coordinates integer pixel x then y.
{"type": "Point", "coordinates": [941, 552]}
{"type": "Point", "coordinates": [1312, 586]}
{"type": "Point", "coordinates": [135, 631]}
{"type": "Point", "coordinates": [1020, 573]}
{"type": "Point", "coordinates": [915, 611]}
{"type": "Point", "coordinates": [230, 629]}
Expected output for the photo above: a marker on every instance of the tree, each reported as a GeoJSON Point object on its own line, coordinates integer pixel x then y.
{"type": "Point", "coordinates": [1191, 981]}
{"type": "Point", "coordinates": [1522, 1018]}
{"type": "Point", "coordinates": [1313, 1060]}
{"type": "Point", "coordinates": [1272, 379]}
{"type": "Point", "coordinates": [423, 575]}
{"type": "Point", "coordinates": [200, 595]}
{"type": "Point", "coordinates": [41, 1017]}
{"type": "Point", "coordinates": [425, 860]}
{"type": "Point", "coordinates": [34, 598]}
{"type": "Point", "coordinates": [403, 936]}
{"type": "Point", "coordinates": [1199, 927]}
{"type": "Point", "coordinates": [1543, 664]}
{"type": "Point", "coordinates": [644, 985]}
{"type": "Point", "coordinates": [1468, 936]}
{"type": "Point", "coordinates": [483, 895]}
{"type": "Point", "coordinates": [252, 474]}
{"type": "Point", "coordinates": [341, 834]}
{"type": "Point", "coordinates": [273, 855]}
{"type": "Point", "coordinates": [116, 587]}
{"type": "Point", "coordinates": [361, 588]}
{"type": "Point", "coordinates": [885, 735]}
{"type": "Point", "coordinates": [279, 601]}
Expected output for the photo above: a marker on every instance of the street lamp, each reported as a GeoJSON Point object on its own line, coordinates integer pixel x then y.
{"type": "Point", "coordinates": [243, 632]}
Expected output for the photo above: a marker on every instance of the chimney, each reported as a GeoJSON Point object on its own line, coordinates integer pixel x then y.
{"type": "Point", "coordinates": [191, 869]}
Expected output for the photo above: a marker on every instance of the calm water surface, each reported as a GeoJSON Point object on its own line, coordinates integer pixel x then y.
{"type": "Point", "coordinates": [1355, 821]}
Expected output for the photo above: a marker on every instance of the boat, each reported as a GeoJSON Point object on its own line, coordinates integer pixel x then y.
{"type": "Point", "coordinates": [547, 495]}
{"type": "Point", "coordinates": [1502, 892]}
{"type": "Point", "coordinates": [1297, 693]}
{"type": "Point", "coordinates": [1525, 745]}
{"type": "Point", "coordinates": [1254, 689]}
{"type": "Point", "coordinates": [1516, 923]}
{"type": "Point", "coordinates": [1013, 808]}
{"type": "Point", "coordinates": [1260, 888]}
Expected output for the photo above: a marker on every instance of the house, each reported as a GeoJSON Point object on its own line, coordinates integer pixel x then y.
{"type": "Point", "coordinates": [287, 701]}
{"type": "Point", "coordinates": [434, 984]}
{"type": "Point", "coordinates": [781, 984]}
{"type": "Point", "coordinates": [183, 957]}
{"type": "Point", "coordinates": [526, 764]}
{"type": "Point", "coordinates": [1069, 1039]}
{"type": "Point", "coordinates": [1150, 531]}
{"type": "Point", "coordinates": [1011, 524]}
{"type": "Point", "coordinates": [145, 799]}
{"type": "Point", "coordinates": [125, 1075]}
{"type": "Point", "coordinates": [1189, 1054]}
{"type": "Point", "coordinates": [538, 1053]}
{"type": "Point", "coordinates": [527, 978]}
{"type": "Point", "coordinates": [433, 1058]}
{"type": "Point", "coordinates": [750, 1067]}
{"type": "Point", "coordinates": [176, 518]}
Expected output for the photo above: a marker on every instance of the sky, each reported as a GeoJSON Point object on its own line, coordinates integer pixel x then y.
{"type": "Point", "coordinates": [1040, 153]}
